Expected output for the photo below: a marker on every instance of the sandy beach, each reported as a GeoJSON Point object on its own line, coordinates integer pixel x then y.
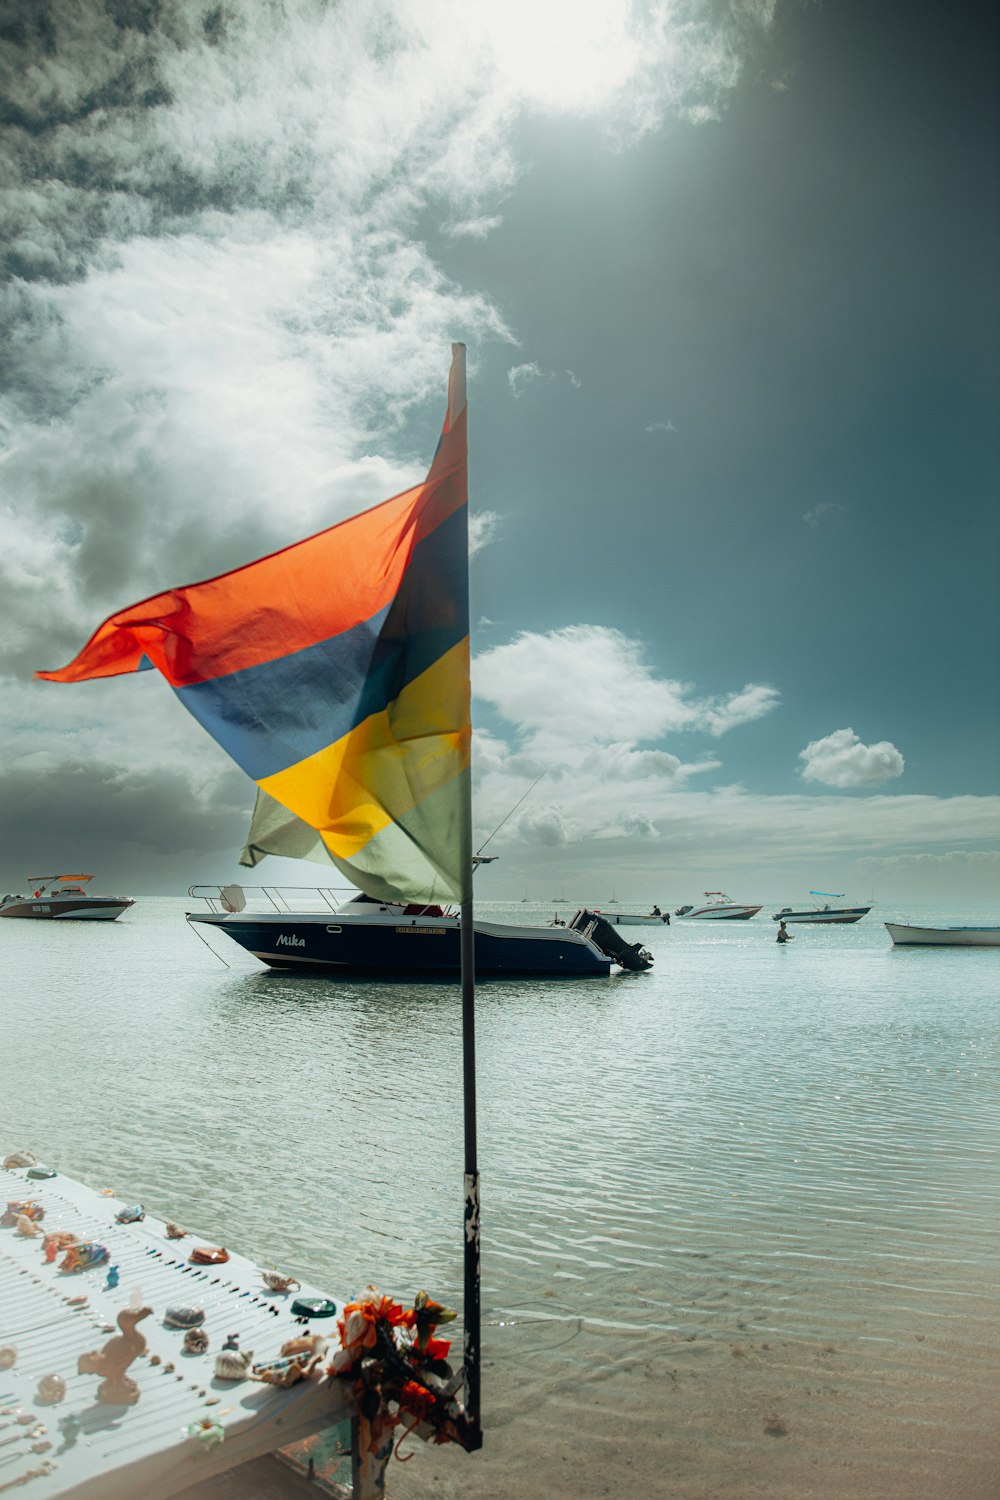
{"type": "Point", "coordinates": [706, 1419]}
{"type": "Point", "coordinates": [700, 1418]}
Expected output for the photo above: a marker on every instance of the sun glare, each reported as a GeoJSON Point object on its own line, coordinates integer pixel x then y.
{"type": "Point", "coordinates": [562, 54]}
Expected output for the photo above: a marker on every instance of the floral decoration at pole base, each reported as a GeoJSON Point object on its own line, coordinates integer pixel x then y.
{"type": "Point", "coordinates": [399, 1373]}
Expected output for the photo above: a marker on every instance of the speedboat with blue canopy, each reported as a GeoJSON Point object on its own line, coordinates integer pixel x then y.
{"type": "Point", "coordinates": [823, 911]}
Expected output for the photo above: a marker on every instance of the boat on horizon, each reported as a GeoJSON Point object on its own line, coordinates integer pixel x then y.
{"type": "Point", "coordinates": [718, 907]}
{"type": "Point", "coordinates": [824, 912]}
{"type": "Point", "coordinates": [63, 898]}
{"type": "Point", "coordinates": [903, 935]}
{"type": "Point", "coordinates": [361, 935]}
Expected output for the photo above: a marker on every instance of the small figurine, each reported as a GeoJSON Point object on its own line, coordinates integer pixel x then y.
{"type": "Point", "coordinates": [20, 1159]}
{"type": "Point", "coordinates": [232, 1341]}
{"type": "Point", "coordinates": [233, 1364]}
{"type": "Point", "coordinates": [184, 1317]}
{"type": "Point", "coordinates": [306, 1343]}
{"type": "Point", "coordinates": [27, 1226]}
{"type": "Point", "coordinates": [287, 1370]}
{"type": "Point", "coordinates": [8, 1357]}
{"type": "Point", "coordinates": [313, 1307]}
{"type": "Point", "coordinates": [112, 1279]}
{"type": "Point", "coordinates": [133, 1215]}
{"type": "Point", "coordinates": [195, 1341]}
{"type": "Point", "coordinates": [174, 1231]}
{"type": "Point", "coordinates": [278, 1283]}
{"type": "Point", "coordinates": [208, 1255]}
{"type": "Point", "coordinates": [58, 1239]}
{"type": "Point", "coordinates": [16, 1207]}
{"type": "Point", "coordinates": [84, 1255]}
{"type": "Point", "coordinates": [117, 1388]}
{"type": "Point", "coordinates": [51, 1388]}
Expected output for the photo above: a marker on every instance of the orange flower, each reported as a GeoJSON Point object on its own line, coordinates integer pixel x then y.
{"type": "Point", "coordinates": [436, 1349]}
{"type": "Point", "coordinates": [417, 1400]}
{"type": "Point", "coordinates": [358, 1327]}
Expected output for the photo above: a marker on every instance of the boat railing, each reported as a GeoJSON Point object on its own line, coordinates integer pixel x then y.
{"type": "Point", "coordinates": [267, 898]}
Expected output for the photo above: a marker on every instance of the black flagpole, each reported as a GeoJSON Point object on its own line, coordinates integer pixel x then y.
{"type": "Point", "coordinates": [472, 1272]}
{"type": "Point", "coordinates": [472, 1432]}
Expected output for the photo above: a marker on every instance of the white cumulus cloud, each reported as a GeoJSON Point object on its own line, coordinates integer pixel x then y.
{"type": "Point", "coordinates": [483, 528]}
{"type": "Point", "coordinates": [842, 759]}
{"type": "Point", "coordinates": [588, 685]}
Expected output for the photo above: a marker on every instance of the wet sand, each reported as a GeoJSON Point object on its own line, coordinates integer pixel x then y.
{"type": "Point", "coordinates": [697, 1418]}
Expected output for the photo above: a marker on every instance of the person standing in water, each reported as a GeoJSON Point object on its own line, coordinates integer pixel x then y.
{"type": "Point", "coordinates": [784, 936]}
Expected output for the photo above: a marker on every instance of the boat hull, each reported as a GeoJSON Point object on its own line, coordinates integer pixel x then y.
{"type": "Point", "coordinates": [943, 937]}
{"type": "Point", "coordinates": [632, 919]}
{"type": "Point", "coordinates": [841, 914]}
{"type": "Point", "coordinates": [69, 909]}
{"type": "Point", "coordinates": [408, 946]}
{"type": "Point", "coordinates": [720, 914]}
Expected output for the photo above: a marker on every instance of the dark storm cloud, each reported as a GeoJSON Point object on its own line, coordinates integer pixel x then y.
{"type": "Point", "coordinates": [85, 166]}
{"type": "Point", "coordinates": [104, 817]}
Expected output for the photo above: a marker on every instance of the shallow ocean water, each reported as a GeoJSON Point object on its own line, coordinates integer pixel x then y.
{"type": "Point", "coordinates": [749, 1148]}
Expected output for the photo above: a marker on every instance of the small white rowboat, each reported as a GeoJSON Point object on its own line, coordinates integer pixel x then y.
{"type": "Point", "coordinates": [947, 937]}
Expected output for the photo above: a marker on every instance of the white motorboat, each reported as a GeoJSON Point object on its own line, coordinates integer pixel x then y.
{"type": "Point", "coordinates": [823, 911]}
{"type": "Point", "coordinates": [635, 918]}
{"type": "Point", "coordinates": [61, 898]}
{"type": "Point", "coordinates": [904, 935]}
{"type": "Point", "coordinates": [717, 908]}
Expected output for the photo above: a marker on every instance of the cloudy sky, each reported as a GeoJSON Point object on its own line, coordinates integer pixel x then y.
{"type": "Point", "coordinates": [727, 276]}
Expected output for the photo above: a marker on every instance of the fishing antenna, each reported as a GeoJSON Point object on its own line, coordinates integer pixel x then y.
{"type": "Point", "coordinates": [513, 810]}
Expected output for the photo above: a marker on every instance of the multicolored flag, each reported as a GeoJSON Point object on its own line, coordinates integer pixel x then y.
{"type": "Point", "coordinates": [336, 674]}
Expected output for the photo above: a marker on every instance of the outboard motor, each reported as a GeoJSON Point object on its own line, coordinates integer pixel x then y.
{"type": "Point", "coordinates": [682, 911]}
{"type": "Point", "coordinates": [610, 941]}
